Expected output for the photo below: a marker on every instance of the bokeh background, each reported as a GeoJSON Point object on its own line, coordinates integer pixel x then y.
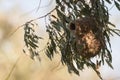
{"type": "Point", "coordinates": [15, 65]}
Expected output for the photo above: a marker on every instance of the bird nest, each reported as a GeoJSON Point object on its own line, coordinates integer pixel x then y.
{"type": "Point", "coordinates": [87, 36]}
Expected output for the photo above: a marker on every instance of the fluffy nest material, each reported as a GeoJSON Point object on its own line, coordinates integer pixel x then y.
{"type": "Point", "coordinates": [87, 36]}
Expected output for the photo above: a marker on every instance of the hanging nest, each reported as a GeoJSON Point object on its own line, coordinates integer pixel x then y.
{"type": "Point", "coordinates": [87, 36]}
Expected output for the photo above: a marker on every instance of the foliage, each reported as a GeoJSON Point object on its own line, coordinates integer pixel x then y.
{"type": "Point", "coordinates": [31, 40]}
{"type": "Point", "coordinates": [61, 40]}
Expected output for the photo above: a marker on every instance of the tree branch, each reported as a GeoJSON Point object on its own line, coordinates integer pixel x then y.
{"type": "Point", "coordinates": [43, 15]}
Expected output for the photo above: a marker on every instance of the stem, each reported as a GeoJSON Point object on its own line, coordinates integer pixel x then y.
{"type": "Point", "coordinates": [43, 15]}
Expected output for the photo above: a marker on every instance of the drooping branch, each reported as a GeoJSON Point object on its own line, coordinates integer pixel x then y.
{"type": "Point", "coordinates": [43, 15]}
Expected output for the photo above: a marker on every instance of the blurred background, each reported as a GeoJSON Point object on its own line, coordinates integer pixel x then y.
{"type": "Point", "coordinates": [15, 65]}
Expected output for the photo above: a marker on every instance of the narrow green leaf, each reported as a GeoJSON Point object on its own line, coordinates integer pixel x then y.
{"type": "Point", "coordinates": [63, 8]}
{"type": "Point", "coordinates": [116, 31]}
{"type": "Point", "coordinates": [56, 25]}
{"type": "Point", "coordinates": [58, 2]}
{"type": "Point", "coordinates": [109, 64]}
{"type": "Point", "coordinates": [54, 16]}
{"type": "Point", "coordinates": [119, 0]}
{"type": "Point", "coordinates": [108, 1]}
{"type": "Point", "coordinates": [117, 5]}
{"type": "Point", "coordinates": [53, 45]}
{"type": "Point", "coordinates": [48, 54]}
{"type": "Point", "coordinates": [111, 24]}
{"type": "Point", "coordinates": [60, 14]}
{"type": "Point", "coordinates": [31, 53]}
{"type": "Point", "coordinates": [24, 51]}
{"type": "Point", "coordinates": [109, 56]}
{"type": "Point", "coordinates": [33, 45]}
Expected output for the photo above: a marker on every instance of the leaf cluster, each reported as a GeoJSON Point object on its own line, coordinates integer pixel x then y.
{"type": "Point", "coordinates": [31, 40]}
{"type": "Point", "coordinates": [61, 38]}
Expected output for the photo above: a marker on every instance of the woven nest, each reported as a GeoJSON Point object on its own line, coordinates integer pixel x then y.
{"type": "Point", "coordinates": [87, 37]}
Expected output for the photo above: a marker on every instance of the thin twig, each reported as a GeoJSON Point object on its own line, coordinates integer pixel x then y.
{"type": "Point", "coordinates": [111, 7]}
{"type": "Point", "coordinates": [42, 16]}
{"type": "Point", "coordinates": [45, 6]}
{"type": "Point", "coordinates": [29, 12]}
{"type": "Point", "coordinates": [38, 6]}
{"type": "Point", "coordinates": [9, 35]}
{"type": "Point", "coordinates": [12, 69]}
{"type": "Point", "coordinates": [57, 67]}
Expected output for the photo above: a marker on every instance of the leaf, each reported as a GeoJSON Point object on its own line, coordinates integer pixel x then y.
{"type": "Point", "coordinates": [116, 31]}
{"type": "Point", "coordinates": [53, 45]}
{"type": "Point", "coordinates": [51, 51]}
{"type": "Point", "coordinates": [33, 45]}
{"type": "Point", "coordinates": [102, 56]}
{"type": "Point", "coordinates": [109, 64]}
{"type": "Point", "coordinates": [67, 3]}
{"type": "Point", "coordinates": [60, 14]}
{"type": "Point", "coordinates": [111, 24]}
{"type": "Point", "coordinates": [117, 5]}
{"type": "Point", "coordinates": [107, 37]}
{"type": "Point", "coordinates": [54, 16]}
{"type": "Point", "coordinates": [56, 25]}
{"type": "Point", "coordinates": [58, 2]}
{"type": "Point", "coordinates": [40, 38]}
{"type": "Point", "coordinates": [119, 0]}
{"type": "Point", "coordinates": [63, 8]}
{"type": "Point", "coordinates": [109, 56]}
{"type": "Point", "coordinates": [108, 1]}
{"type": "Point", "coordinates": [36, 54]}
{"type": "Point", "coordinates": [95, 69]}
{"type": "Point", "coordinates": [48, 54]}
{"type": "Point", "coordinates": [24, 51]}
{"type": "Point", "coordinates": [31, 53]}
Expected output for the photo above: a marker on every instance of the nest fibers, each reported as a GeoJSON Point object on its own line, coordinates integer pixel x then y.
{"type": "Point", "coordinates": [87, 36]}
